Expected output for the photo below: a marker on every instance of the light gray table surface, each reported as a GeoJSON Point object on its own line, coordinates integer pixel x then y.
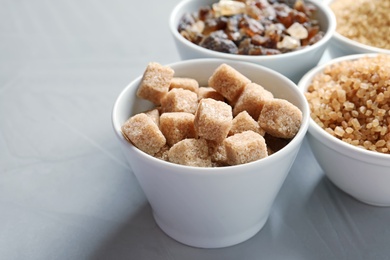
{"type": "Point", "coordinates": [66, 191]}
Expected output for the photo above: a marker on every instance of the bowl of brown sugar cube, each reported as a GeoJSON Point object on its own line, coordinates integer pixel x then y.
{"type": "Point", "coordinates": [211, 142]}
{"type": "Point", "coordinates": [349, 130]}
{"type": "Point", "coordinates": [290, 39]}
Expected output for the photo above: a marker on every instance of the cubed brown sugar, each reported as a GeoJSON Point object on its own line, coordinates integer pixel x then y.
{"type": "Point", "coordinates": [213, 119]}
{"type": "Point", "coordinates": [177, 126]}
{"type": "Point", "coordinates": [209, 92]}
{"type": "Point", "coordinates": [155, 82]}
{"type": "Point", "coordinates": [154, 114]}
{"type": "Point", "coordinates": [162, 154]}
{"type": "Point", "coordinates": [228, 81]}
{"type": "Point", "coordinates": [190, 152]}
{"type": "Point", "coordinates": [244, 122]}
{"type": "Point", "coordinates": [252, 100]}
{"type": "Point", "coordinates": [217, 152]}
{"type": "Point", "coordinates": [245, 147]}
{"type": "Point", "coordinates": [180, 100]}
{"type": "Point", "coordinates": [280, 118]}
{"type": "Point", "coordinates": [184, 83]}
{"type": "Point", "coordinates": [143, 132]}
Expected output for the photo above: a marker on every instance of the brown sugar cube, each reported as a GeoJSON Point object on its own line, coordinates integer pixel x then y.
{"type": "Point", "coordinates": [244, 122]}
{"type": "Point", "coordinates": [280, 118]}
{"type": "Point", "coordinates": [162, 154]}
{"type": "Point", "coordinates": [228, 81]}
{"type": "Point", "coordinates": [245, 147]}
{"type": "Point", "coordinates": [217, 153]}
{"type": "Point", "coordinates": [213, 119]}
{"type": "Point", "coordinates": [191, 152]}
{"type": "Point", "coordinates": [209, 92]}
{"type": "Point", "coordinates": [154, 114]}
{"type": "Point", "coordinates": [177, 126]}
{"type": "Point", "coordinates": [179, 100]}
{"type": "Point", "coordinates": [252, 100]}
{"type": "Point", "coordinates": [184, 83]}
{"type": "Point", "coordinates": [155, 82]}
{"type": "Point", "coordinates": [144, 133]}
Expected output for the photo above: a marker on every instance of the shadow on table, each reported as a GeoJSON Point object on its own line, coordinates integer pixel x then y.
{"type": "Point", "coordinates": [331, 196]}
{"type": "Point", "coordinates": [326, 224]}
{"type": "Point", "coordinates": [348, 228]}
{"type": "Point", "coordinates": [138, 238]}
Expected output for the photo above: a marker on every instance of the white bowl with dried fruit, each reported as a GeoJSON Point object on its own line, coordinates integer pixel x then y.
{"type": "Point", "coordinates": [349, 135]}
{"type": "Point", "coordinates": [362, 27]}
{"type": "Point", "coordinates": [290, 40]}
{"type": "Point", "coordinates": [210, 174]}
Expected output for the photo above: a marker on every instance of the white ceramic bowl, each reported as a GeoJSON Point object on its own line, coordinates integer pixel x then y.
{"type": "Point", "coordinates": [343, 46]}
{"type": "Point", "coordinates": [293, 64]}
{"type": "Point", "coordinates": [363, 174]}
{"type": "Point", "coordinates": [211, 207]}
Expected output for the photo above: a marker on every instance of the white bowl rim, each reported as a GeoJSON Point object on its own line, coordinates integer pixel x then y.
{"type": "Point", "coordinates": [341, 38]}
{"type": "Point", "coordinates": [255, 58]}
{"type": "Point", "coordinates": [364, 47]}
{"type": "Point", "coordinates": [330, 140]}
{"type": "Point", "coordinates": [234, 169]}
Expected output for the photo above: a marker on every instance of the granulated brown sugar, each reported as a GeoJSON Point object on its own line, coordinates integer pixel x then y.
{"type": "Point", "coordinates": [364, 21]}
{"type": "Point", "coordinates": [351, 100]}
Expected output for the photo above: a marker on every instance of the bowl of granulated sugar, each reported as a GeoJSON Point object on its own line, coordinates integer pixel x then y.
{"type": "Point", "coordinates": [349, 130]}
{"type": "Point", "coordinates": [362, 27]}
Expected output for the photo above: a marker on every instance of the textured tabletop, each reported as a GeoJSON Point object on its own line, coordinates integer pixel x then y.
{"type": "Point", "coordinates": [66, 191]}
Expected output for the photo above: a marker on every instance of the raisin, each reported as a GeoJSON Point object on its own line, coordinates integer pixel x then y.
{"type": "Point", "coordinates": [251, 26]}
{"type": "Point", "coordinates": [214, 24]}
{"type": "Point", "coordinates": [205, 13]}
{"type": "Point", "coordinates": [185, 21]}
{"type": "Point", "coordinates": [245, 46]}
{"type": "Point", "coordinates": [215, 43]}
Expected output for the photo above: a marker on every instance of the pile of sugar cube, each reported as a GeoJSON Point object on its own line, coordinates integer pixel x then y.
{"type": "Point", "coordinates": [230, 121]}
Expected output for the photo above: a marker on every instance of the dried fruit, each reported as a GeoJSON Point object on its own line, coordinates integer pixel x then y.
{"type": "Point", "coordinates": [216, 43]}
{"type": "Point", "coordinates": [252, 27]}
